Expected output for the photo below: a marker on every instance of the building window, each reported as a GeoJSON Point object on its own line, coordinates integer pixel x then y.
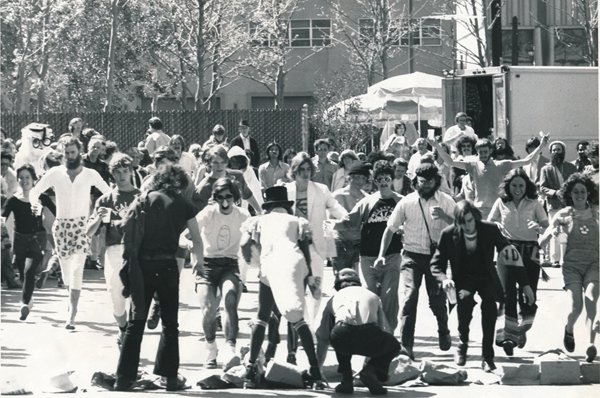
{"type": "Point", "coordinates": [299, 33]}
{"type": "Point", "coordinates": [422, 32]}
{"type": "Point", "coordinates": [431, 32]}
{"type": "Point", "coordinates": [570, 47]}
{"type": "Point", "coordinates": [524, 51]}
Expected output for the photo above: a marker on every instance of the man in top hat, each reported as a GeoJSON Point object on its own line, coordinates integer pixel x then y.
{"type": "Point", "coordinates": [354, 323]}
{"type": "Point", "coordinates": [247, 143]}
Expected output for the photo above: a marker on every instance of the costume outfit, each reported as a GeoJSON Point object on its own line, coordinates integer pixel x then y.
{"type": "Point", "coordinates": [29, 239]}
{"type": "Point", "coordinates": [372, 214]}
{"type": "Point", "coordinates": [118, 202]}
{"type": "Point", "coordinates": [421, 232]}
{"type": "Point", "coordinates": [221, 241]}
{"type": "Point", "coordinates": [203, 195]}
{"type": "Point", "coordinates": [514, 220]}
{"type": "Point", "coordinates": [72, 211]}
{"type": "Point", "coordinates": [269, 174]}
{"type": "Point", "coordinates": [414, 162]}
{"type": "Point", "coordinates": [473, 270]}
{"type": "Point", "coordinates": [248, 143]}
{"type": "Point", "coordinates": [283, 271]}
{"type": "Point", "coordinates": [354, 323]}
{"type": "Point", "coordinates": [166, 216]}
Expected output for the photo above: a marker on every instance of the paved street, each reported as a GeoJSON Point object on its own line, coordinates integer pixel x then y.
{"type": "Point", "coordinates": [40, 347]}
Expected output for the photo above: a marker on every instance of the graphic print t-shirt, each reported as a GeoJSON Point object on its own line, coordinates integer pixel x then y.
{"type": "Point", "coordinates": [221, 233]}
{"type": "Point", "coordinates": [372, 230]}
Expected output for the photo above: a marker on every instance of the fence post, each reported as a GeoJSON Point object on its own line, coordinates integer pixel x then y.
{"type": "Point", "coordinates": [304, 127]}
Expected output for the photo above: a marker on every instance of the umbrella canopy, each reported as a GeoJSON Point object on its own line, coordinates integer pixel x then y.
{"type": "Point", "coordinates": [400, 97]}
{"type": "Point", "coordinates": [415, 84]}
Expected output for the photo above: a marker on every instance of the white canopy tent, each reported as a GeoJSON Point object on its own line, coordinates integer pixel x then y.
{"type": "Point", "coordinates": [410, 97]}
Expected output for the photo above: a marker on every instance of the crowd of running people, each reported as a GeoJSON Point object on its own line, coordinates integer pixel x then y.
{"type": "Point", "coordinates": [463, 213]}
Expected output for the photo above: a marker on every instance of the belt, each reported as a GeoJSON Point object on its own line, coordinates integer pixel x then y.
{"type": "Point", "coordinates": [157, 257]}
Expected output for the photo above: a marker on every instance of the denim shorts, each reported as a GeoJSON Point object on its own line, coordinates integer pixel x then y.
{"type": "Point", "coordinates": [217, 270]}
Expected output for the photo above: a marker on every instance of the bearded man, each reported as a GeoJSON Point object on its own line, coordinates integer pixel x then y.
{"type": "Point", "coordinates": [72, 184]}
{"type": "Point", "coordinates": [420, 216]}
{"type": "Point", "coordinates": [552, 177]}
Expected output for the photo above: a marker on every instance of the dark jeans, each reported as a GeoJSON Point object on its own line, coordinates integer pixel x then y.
{"type": "Point", "coordinates": [162, 278]}
{"type": "Point", "coordinates": [414, 267]}
{"type": "Point", "coordinates": [366, 340]}
{"type": "Point", "coordinates": [347, 255]}
{"type": "Point", "coordinates": [513, 294]}
{"type": "Point", "coordinates": [28, 246]}
{"type": "Point", "coordinates": [464, 309]}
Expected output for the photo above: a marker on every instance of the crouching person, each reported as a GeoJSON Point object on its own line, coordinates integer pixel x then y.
{"type": "Point", "coordinates": [353, 323]}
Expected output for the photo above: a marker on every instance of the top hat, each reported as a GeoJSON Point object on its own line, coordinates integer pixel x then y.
{"type": "Point", "coordinates": [276, 196]}
{"type": "Point", "coordinates": [244, 122]}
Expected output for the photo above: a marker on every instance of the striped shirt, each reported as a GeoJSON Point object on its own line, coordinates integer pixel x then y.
{"type": "Point", "coordinates": [407, 214]}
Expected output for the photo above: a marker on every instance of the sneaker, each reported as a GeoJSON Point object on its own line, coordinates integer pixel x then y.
{"type": "Point", "coordinates": [39, 284]}
{"type": "Point", "coordinates": [233, 360]}
{"type": "Point", "coordinates": [69, 326]}
{"type": "Point", "coordinates": [154, 317]}
{"type": "Point", "coordinates": [590, 353]}
{"type": "Point", "coordinates": [444, 341]}
{"type": "Point", "coordinates": [569, 341]}
{"type": "Point", "coordinates": [24, 312]}
{"type": "Point", "coordinates": [211, 356]}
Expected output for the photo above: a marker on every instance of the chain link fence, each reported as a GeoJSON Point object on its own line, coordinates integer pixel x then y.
{"type": "Point", "coordinates": [128, 128]}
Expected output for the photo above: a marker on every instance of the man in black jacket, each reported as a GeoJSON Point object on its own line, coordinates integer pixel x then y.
{"type": "Point", "coordinates": [247, 143]}
{"type": "Point", "coordinates": [469, 246]}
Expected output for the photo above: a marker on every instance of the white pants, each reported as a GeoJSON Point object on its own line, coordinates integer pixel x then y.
{"type": "Point", "coordinates": [72, 270]}
{"type": "Point", "coordinates": [114, 286]}
{"type": "Point", "coordinates": [311, 310]}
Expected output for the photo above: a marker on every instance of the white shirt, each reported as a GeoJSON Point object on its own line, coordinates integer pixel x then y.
{"type": "Point", "coordinates": [72, 198]}
{"type": "Point", "coordinates": [246, 141]}
{"type": "Point", "coordinates": [408, 213]}
{"type": "Point", "coordinates": [454, 133]}
{"type": "Point", "coordinates": [413, 163]}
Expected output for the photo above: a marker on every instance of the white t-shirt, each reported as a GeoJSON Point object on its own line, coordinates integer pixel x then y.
{"type": "Point", "coordinates": [221, 233]}
{"type": "Point", "coordinates": [454, 133]}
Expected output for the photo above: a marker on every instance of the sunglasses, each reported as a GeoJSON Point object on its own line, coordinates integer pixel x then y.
{"type": "Point", "coordinates": [37, 143]}
{"type": "Point", "coordinates": [383, 179]}
{"type": "Point", "coordinates": [224, 197]}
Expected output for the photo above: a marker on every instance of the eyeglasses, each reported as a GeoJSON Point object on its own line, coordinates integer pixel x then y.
{"type": "Point", "coordinates": [37, 143]}
{"type": "Point", "coordinates": [383, 179]}
{"type": "Point", "coordinates": [224, 197]}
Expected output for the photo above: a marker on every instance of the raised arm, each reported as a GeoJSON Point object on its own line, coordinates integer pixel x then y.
{"type": "Point", "coordinates": [446, 157]}
{"type": "Point", "coordinates": [527, 159]}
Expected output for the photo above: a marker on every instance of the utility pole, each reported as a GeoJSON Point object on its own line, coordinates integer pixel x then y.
{"type": "Point", "coordinates": [496, 11]}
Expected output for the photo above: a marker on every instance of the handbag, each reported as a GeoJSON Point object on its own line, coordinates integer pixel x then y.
{"type": "Point", "coordinates": [432, 244]}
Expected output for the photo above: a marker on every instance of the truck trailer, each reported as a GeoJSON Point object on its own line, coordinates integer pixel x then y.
{"type": "Point", "coordinates": [516, 102]}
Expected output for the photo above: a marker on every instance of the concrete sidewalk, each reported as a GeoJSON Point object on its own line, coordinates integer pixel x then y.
{"type": "Point", "coordinates": [40, 347]}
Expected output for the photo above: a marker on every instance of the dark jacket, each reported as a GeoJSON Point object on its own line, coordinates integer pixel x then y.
{"type": "Point", "coordinates": [255, 155]}
{"type": "Point", "coordinates": [131, 273]}
{"type": "Point", "coordinates": [452, 248]}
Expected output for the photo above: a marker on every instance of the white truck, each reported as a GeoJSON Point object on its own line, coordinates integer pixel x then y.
{"type": "Point", "coordinates": [516, 102]}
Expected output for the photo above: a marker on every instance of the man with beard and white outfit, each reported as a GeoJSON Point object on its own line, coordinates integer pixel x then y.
{"type": "Point", "coordinates": [486, 173]}
{"type": "Point", "coordinates": [420, 217]}
{"type": "Point", "coordinates": [552, 177]}
{"type": "Point", "coordinates": [72, 184]}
